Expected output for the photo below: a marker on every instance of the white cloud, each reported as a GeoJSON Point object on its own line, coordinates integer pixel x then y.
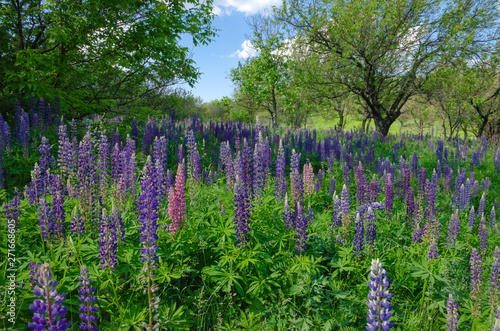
{"type": "Point", "coordinates": [226, 7]}
{"type": "Point", "coordinates": [247, 50]}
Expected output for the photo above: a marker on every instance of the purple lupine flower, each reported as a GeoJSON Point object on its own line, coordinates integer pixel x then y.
{"type": "Point", "coordinates": [12, 208]}
{"type": "Point", "coordinates": [194, 161]}
{"type": "Point", "coordinates": [134, 132]}
{"type": "Point", "coordinates": [361, 185]}
{"type": "Point", "coordinates": [346, 176]}
{"type": "Point", "coordinates": [24, 138]}
{"type": "Point", "coordinates": [87, 308]}
{"type": "Point", "coordinates": [410, 203]}
{"type": "Point", "coordinates": [496, 326]}
{"type": "Point", "coordinates": [51, 303]}
{"type": "Point", "coordinates": [406, 182]}
{"type": "Point", "coordinates": [226, 160]}
{"type": "Point", "coordinates": [301, 223]}
{"type": "Point", "coordinates": [359, 236]}
{"type": "Point", "coordinates": [453, 229]}
{"type": "Point", "coordinates": [389, 195]}
{"type": "Point", "coordinates": [296, 185]}
{"type": "Point", "coordinates": [483, 235]}
{"type": "Point", "coordinates": [77, 226]}
{"type": "Point", "coordinates": [34, 269]}
{"type": "Point", "coordinates": [472, 218]}
{"type": "Point", "coordinates": [433, 249]}
{"type": "Point", "coordinates": [107, 242]}
{"type": "Point", "coordinates": [371, 228]}
{"type": "Point", "coordinates": [280, 185]}
{"type": "Point", "coordinates": [288, 216]}
{"type": "Point", "coordinates": [337, 212]}
{"type": "Point", "coordinates": [44, 162]}
{"type": "Point", "coordinates": [45, 219]}
{"type": "Point", "coordinates": [379, 306]}
{"type": "Point", "coordinates": [374, 190]}
{"type": "Point", "coordinates": [259, 167]}
{"type": "Point", "coordinates": [308, 178]}
{"type": "Point", "coordinates": [242, 209]}
{"type": "Point", "coordinates": [177, 200]}
{"type": "Point", "coordinates": [58, 213]}
{"type": "Point", "coordinates": [482, 204]}
{"type": "Point", "coordinates": [492, 217]}
{"type": "Point", "coordinates": [149, 213]}
{"type": "Point", "coordinates": [475, 188]}
{"type": "Point", "coordinates": [345, 201]}
{"type": "Point", "coordinates": [332, 185]}
{"type": "Point", "coordinates": [476, 280]}
{"type": "Point", "coordinates": [452, 314]}
{"type": "Point", "coordinates": [495, 278]}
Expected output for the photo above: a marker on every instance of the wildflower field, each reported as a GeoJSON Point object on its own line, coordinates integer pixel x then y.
{"type": "Point", "coordinates": [165, 224]}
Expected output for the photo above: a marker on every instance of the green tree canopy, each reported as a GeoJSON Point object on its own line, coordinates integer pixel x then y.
{"type": "Point", "coordinates": [98, 55]}
{"type": "Point", "coordinates": [383, 51]}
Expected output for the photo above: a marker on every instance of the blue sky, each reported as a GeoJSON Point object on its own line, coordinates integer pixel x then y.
{"type": "Point", "coordinates": [217, 59]}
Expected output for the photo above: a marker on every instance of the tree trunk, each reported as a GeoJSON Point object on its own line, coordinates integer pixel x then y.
{"type": "Point", "coordinates": [383, 124]}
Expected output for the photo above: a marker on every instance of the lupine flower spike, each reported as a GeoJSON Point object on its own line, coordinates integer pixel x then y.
{"type": "Point", "coordinates": [452, 314]}
{"type": "Point", "coordinates": [379, 306]}
{"type": "Point", "coordinates": [87, 308]}
{"type": "Point", "coordinates": [51, 303]}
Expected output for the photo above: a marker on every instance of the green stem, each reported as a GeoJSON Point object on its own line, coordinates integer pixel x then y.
{"type": "Point", "coordinates": [423, 294]}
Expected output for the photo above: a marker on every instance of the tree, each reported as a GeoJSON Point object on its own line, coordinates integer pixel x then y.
{"type": "Point", "coordinates": [98, 55]}
{"type": "Point", "coordinates": [384, 50]}
{"type": "Point", "coordinates": [264, 77]}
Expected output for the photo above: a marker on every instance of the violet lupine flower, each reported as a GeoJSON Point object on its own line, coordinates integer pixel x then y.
{"type": "Point", "coordinates": [87, 308]}
{"type": "Point", "coordinates": [296, 185]}
{"type": "Point", "coordinates": [379, 306]}
{"type": "Point", "coordinates": [149, 213]}
{"type": "Point", "coordinates": [371, 228]}
{"type": "Point", "coordinates": [45, 219]}
{"type": "Point", "coordinates": [288, 215]}
{"type": "Point", "coordinates": [476, 280]}
{"type": "Point", "coordinates": [345, 203]}
{"type": "Point", "coordinates": [12, 208]}
{"type": "Point", "coordinates": [406, 182]}
{"type": "Point", "coordinates": [410, 203]}
{"type": "Point", "coordinates": [63, 156]}
{"type": "Point", "coordinates": [58, 213]}
{"type": "Point", "coordinates": [226, 161]}
{"type": "Point", "coordinates": [496, 326]}
{"type": "Point", "coordinates": [361, 185]}
{"type": "Point", "coordinates": [347, 181]}
{"type": "Point", "coordinates": [492, 217]}
{"type": "Point", "coordinates": [453, 229]}
{"type": "Point", "coordinates": [259, 167]}
{"type": "Point", "coordinates": [482, 204]}
{"type": "Point", "coordinates": [44, 161]}
{"type": "Point", "coordinates": [308, 178]}
{"type": "Point", "coordinates": [34, 269]}
{"type": "Point", "coordinates": [242, 209]}
{"type": "Point", "coordinates": [332, 185]}
{"type": "Point", "coordinates": [483, 235]}
{"type": "Point", "coordinates": [280, 184]}
{"type": "Point", "coordinates": [107, 242]}
{"type": "Point", "coordinates": [389, 195]}
{"type": "Point", "coordinates": [193, 159]}
{"type": "Point", "coordinates": [495, 278]}
{"type": "Point", "coordinates": [77, 226]}
{"type": "Point", "coordinates": [177, 201]}
{"type": "Point", "coordinates": [301, 223]}
{"type": "Point", "coordinates": [337, 212]}
{"type": "Point", "coordinates": [359, 236]}
{"type": "Point", "coordinates": [51, 303]}
{"type": "Point", "coordinates": [134, 132]}
{"type": "Point", "coordinates": [374, 190]}
{"type": "Point", "coordinates": [24, 138]}
{"type": "Point", "coordinates": [475, 188]}
{"type": "Point", "coordinates": [452, 314]}
{"type": "Point", "coordinates": [472, 218]}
